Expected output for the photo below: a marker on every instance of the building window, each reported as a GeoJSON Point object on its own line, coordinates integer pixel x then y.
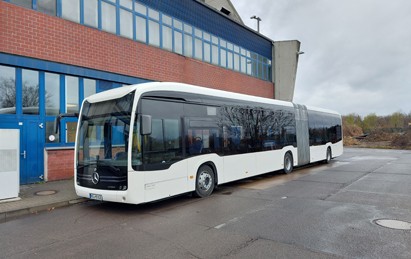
{"type": "Point", "coordinates": [223, 57]}
{"type": "Point", "coordinates": [236, 62]}
{"type": "Point", "coordinates": [30, 87]}
{"type": "Point", "coordinates": [52, 86]}
{"type": "Point", "coordinates": [71, 10]}
{"type": "Point", "coordinates": [141, 9]}
{"type": "Point", "coordinates": [50, 131]}
{"type": "Point", "coordinates": [198, 49]}
{"type": "Point", "coordinates": [126, 24]}
{"type": "Point", "coordinates": [24, 3]}
{"type": "Point", "coordinates": [178, 42]}
{"type": "Point", "coordinates": [89, 87]}
{"type": "Point", "coordinates": [126, 3]}
{"type": "Point", "coordinates": [91, 13]}
{"type": "Point", "coordinates": [243, 64]}
{"type": "Point", "coordinates": [167, 38]}
{"type": "Point", "coordinates": [108, 17]}
{"type": "Point", "coordinates": [47, 6]}
{"type": "Point", "coordinates": [207, 52]}
{"type": "Point", "coordinates": [71, 128]}
{"type": "Point", "coordinates": [141, 34]}
{"type": "Point", "coordinates": [7, 90]}
{"type": "Point", "coordinates": [72, 94]}
{"type": "Point", "coordinates": [153, 33]}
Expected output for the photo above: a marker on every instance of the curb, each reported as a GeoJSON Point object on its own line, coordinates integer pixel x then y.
{"type": "Point", "coordinates": [11, 215]}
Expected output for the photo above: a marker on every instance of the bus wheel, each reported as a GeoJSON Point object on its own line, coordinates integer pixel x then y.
{"type": "Point", "coordinates": [205, 181]}
{"type": "Point", "coordinates": [288, 163]}
{"type": "Point", "coordinates": [328, 156]}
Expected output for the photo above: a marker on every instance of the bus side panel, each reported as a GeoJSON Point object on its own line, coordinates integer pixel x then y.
{"type": "Point", "coordinates": [239, 166]}
{"type": "Point", "coordinates": [274, 160]}
{"type": "Point", "coordinates": [135, 192]}
{"type": "Point", "coordinates": [269, 161]}
{"type": "Point", "coordinates": [337, 149]}
{"type": "Point", "coordinates": [318, 153]}
{"type": "Point", "coordinates": [165, 183]}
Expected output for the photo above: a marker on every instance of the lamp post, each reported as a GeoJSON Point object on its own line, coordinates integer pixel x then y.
{"type": "Point", "coordinates": [258, 21]}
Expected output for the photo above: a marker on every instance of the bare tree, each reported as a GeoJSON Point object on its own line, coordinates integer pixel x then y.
{"type": "Point", "coordinates": [7, 93]}
{"type": "Point", "coordinates": [30, 94]}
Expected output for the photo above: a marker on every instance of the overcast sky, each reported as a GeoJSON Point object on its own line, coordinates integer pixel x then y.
{"type": "Point", "coordinates": [357, 52]}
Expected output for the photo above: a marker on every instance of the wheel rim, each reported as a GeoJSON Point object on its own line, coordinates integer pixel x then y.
{"type": "Point", "coordinates": [328, 155]}
{"type": "Point", "coordinates": [288, 163]}
{"type": "Point", "coordinates": [204, 181]}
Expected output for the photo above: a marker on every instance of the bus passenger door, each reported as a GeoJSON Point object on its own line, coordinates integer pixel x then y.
{"type": "Point", "coordinates": [163, 157]}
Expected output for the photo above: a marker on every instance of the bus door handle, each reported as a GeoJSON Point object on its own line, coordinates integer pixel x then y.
{"type": "Point", "coordinates": [24, 154]}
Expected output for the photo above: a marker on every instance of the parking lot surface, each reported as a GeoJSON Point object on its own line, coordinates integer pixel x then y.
{"type": "Point", "coordinates": [320, 211]}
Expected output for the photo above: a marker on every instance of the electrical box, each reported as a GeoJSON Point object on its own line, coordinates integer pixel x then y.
{"type": "Point", "coordinates": [9, 163]}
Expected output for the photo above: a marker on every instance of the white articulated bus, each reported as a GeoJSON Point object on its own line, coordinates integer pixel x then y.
{"type": "Point", "coordinates": [146, 142]}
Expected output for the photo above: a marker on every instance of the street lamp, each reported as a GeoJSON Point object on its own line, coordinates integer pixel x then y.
{"type": "Point", "coordinates": [258, 21]}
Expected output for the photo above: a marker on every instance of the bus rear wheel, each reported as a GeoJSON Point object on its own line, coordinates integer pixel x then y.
{"type": "Point", "coordinates": [205, 181]}
{"type": "Point", "coordinates": [288, 163]}
{"type": "Point", "coordinates": [328, 156]}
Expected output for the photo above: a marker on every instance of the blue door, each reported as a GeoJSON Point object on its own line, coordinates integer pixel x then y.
{"type": "Point", "coordinates": [32, 152]}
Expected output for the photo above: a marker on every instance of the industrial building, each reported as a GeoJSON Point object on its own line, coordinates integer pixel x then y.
{"type": "Point", "coordinates": [54, 53]}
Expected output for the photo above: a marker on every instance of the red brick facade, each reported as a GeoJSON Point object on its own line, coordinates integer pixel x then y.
{"type": "Point", "coordinates": [29, 33]}
{"type": "Point", "coordinates": [60, 164]}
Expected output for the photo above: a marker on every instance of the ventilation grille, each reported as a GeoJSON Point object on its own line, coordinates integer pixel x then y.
{"type": "Point", "coordinates": [8, 160]}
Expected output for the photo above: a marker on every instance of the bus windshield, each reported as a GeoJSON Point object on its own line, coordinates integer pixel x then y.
{"type": "Point", "coordinates": [103, 143]}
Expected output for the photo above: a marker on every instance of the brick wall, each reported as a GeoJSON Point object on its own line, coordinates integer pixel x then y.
{"type": "Point", "coordinates": [33, 34]}
{"type": "Point", "coordinates": [60, 164]}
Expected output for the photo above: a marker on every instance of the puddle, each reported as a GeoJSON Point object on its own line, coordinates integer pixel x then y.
{"type": "Point", "coordinates": [45, 193]}
{"type": "Point", "coordinates": [393, 224]}
{"type": "Point", "coordinates": [362, 158]}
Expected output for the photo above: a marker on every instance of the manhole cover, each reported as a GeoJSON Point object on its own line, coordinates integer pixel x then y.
{"type": "Point", "coordinates": [393, 224]}
{"type": "Point", "coordinates": [45, 193]}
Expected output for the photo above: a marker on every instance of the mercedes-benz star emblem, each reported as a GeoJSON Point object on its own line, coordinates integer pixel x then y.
{"type": "Point", "coordinates": [95, 178]}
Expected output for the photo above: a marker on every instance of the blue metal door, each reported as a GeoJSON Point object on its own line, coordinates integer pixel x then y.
{"type": "Point", "coordinates": [32, 152]}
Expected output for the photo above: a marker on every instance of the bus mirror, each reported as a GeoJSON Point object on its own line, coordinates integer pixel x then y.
{"type": "Point", "coordinates": [58, 119]}
{"type": "Point", "coordinates": [145, 124]}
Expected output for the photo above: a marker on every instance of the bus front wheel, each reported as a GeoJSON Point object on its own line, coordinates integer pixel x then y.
{"type": "Point", "coordinates": [205, 181]}
{"type": "Point", "coordinates": [288, 163]}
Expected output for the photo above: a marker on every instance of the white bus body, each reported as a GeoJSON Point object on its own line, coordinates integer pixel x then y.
{"type": "Point", "coordinates": [197, 138]}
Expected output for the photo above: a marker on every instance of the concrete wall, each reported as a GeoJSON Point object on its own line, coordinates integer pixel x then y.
{"type": "Point", "coordinates": [285, 62]}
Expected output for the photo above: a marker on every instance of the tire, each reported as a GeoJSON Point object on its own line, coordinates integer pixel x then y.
{"type": "Point", "coordinates": [205, 181]}
{"type": "Point", "coordinates": [288, 163]}
{"type": "Point", "coordinates": [328, 156]}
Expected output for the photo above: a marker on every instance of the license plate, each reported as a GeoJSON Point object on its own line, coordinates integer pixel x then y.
{"type": "Point", "coordinates": [98, 197]}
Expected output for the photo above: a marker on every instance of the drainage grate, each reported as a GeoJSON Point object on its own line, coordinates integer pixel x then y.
{"type": "Point", "coordinates": [45, 193]}
{"type": "Point", "coordinates": [393, 224]}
